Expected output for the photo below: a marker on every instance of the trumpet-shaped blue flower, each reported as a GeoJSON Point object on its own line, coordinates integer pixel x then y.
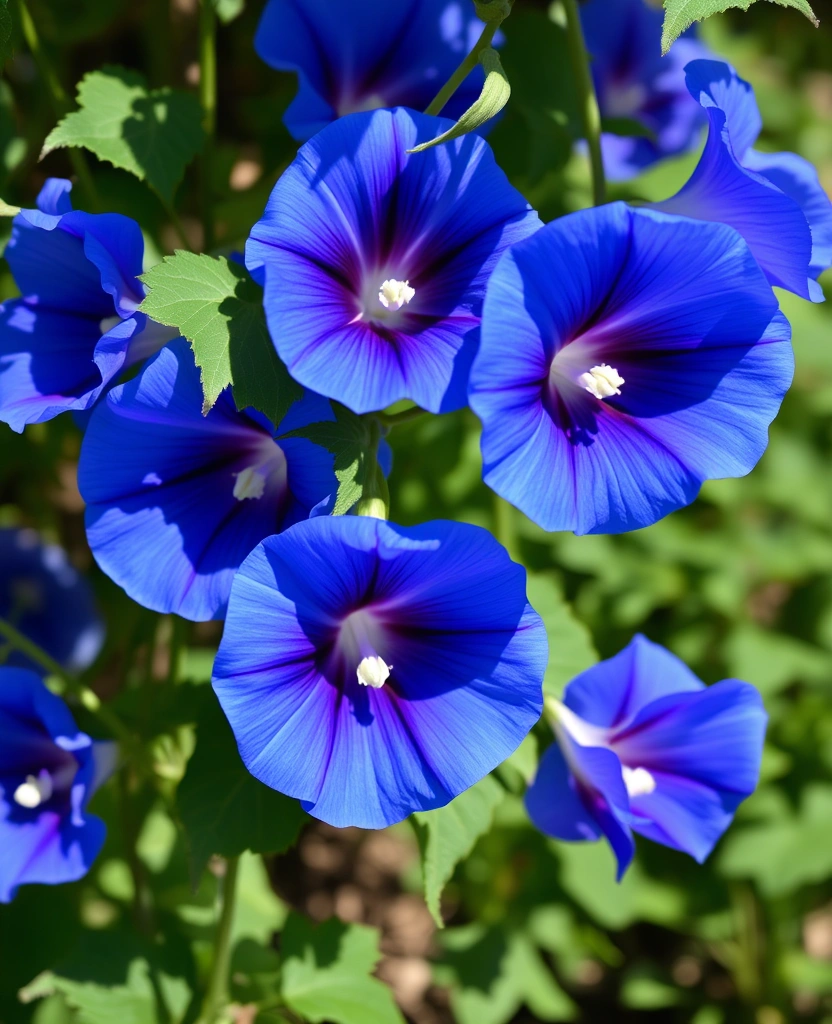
{"type": "Point", "coordinates": [635, 83]}
{"type": "Point", "coordinates": [643, 746]}
{"type": "Point", "coordinates": [626, 357]}
{"type": "Point", "coordinates": [48, 772]}
{"type": "Point", "coordinates": [371, 670]}
{"type": "Point", "coordinates": [75, 327]}
{"type": "Point", "coordinates": [374, 55]}
{"type": "Point", "coordinates": [43, 597]}
{"type": "Point", "coordinates": [176, 500]}
{"type": "Point", "coordinates": [375, 262]}
{"type": "Point", "coordinates": [774, 200]}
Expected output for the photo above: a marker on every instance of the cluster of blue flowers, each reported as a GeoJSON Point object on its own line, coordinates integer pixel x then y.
{"type": "Point", "coordinates": [617, 358]}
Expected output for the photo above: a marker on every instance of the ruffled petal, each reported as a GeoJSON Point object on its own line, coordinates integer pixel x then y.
{"type": "Point", "coordinates": [467, 656]}
{"type": "Point", "coordinates": [54, 198]}
{"type": "Point", "coordinates": [716, 85]}
{"type": "Point", "coordinates": [554, 803]}
{"type": "Point", "coordinates": [613, 691]}
{"type": "Point", "coordinates": [114, 245]}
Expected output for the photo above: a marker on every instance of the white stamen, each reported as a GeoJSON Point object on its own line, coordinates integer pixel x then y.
{"type": "Point", "coordinates": [373, 671]}
{"type": "Point", "coordinates": [395, 294]}
{"type": "Point", "coordinates": [639, 781]}
{"type": "Point", "coordinates": [602, 381]}
{"type": "Point", "coordinates": [36, 790]}
{"type": "Point", "coordinates": [108, 323]}
{"type": "Point", "coordinates": [250, 483]}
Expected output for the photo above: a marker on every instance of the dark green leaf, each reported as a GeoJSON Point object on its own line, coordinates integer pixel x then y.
{"type": "Point", "coordinates": [153, 134]}
{"type": "Point", "coordinates": [216, 305]}
{"type": "Point", "coordinates": [327, 973]}
{"type": "Point", "coordinates": [6, 40]}
{"type": "Point", "coordinates": [223, 808]}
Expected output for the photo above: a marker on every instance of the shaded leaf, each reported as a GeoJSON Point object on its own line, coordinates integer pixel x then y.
{"type": "Point", "coordinates": [6, 41]}
{"type": "Point", "coordinates": [679, 15]}
{"type": "Point", "coordinates": [223, 808]}
{"type": "Point", "coordinates": [216, 305]}
{"type": "Point", "coordinates": [153, 134]}
{"type": "Point", "coordinates": [327, 973]}
{"type": "Point", "coordinates": [448, 834]}
{"type": "Point", "coordinates": [571, 650]}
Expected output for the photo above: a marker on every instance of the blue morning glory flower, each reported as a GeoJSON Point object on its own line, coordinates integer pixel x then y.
{"type": "Point", "coordinates": [43, 597]}
{"type": "Point", "coordinates": [371, 670]}
{"type": "Point", "coordinates": [377, 55]}
{"type": "Point", "coordinates": [375, 262]}
{"type": "Point", "coordinates": [176, 500]}
{"type": "Point", "coordinates": [643, 746]}
{"type": "Point", "coordinates": [635, 83]}
{"type": "Point", "coordinates": [626, 357]}
{"type": "Point", "coordinates": [774, 200]}
{"type": "Point", "coordinates": [76, 326]}
{"type": "Point", "coordinates": [48, 772]}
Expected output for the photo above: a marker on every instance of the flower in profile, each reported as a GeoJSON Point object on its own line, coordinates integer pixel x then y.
{"type": "Point", "coordinates": [48, 772]}
{"type": "Point", "coordinates": [75, 326]}
{"type": "Point", "coordinates": [643, 746]}
{"type": "Point", "coordinates": [635, 83]}
{"type": "Point", "coordinates": [375, 55]}
{"type": "Point", "coordinates": [774, 200]}
{"type": "Point", "coordinates": [626, 357]}
{"type": "Point", "coordinates": [44, 598]}
{"type": "Point", "coordinates": [375, 262]}
{"type": "Point", "coordinates": [371, 670]}
{"type": "Point", "coordinates": [176, 500]}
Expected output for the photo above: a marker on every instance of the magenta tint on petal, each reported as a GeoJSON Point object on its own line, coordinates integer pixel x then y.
{"type": "Point", "coordinates": [658, 362]}
{"type": "Point", "coordinates": [355, 215]}
{"type": "Point", "coordinates": [372, 670]}
{"type": "Point", "coordinates": [176, 500]}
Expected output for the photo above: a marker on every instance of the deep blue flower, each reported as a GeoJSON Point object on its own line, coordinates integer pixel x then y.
{"type": "Point", "coordinates": [626, 357]}
{"type": "Point", "coordinates": [43, 597]}
{"type": "Point", "coordinates": [176, 500]}
{"type": "Point", "coordinates": [48, 772]}
{"type": "Point", "coordinates": [774, 200]}
{"type": "Point", "coordinates": [375, 262]}
{"type": "Point", "coordinates": [643, 746]}
{"type": "Point", "coordinates": [375, 55]}
{"type": "Point", "coordinates": [635, 83]}
{"type": "Point", "coordinates": [76, 326]}
{"type": "Point", "coordinates": [371, 670]}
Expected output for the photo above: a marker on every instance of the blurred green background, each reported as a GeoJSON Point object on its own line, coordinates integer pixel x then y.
{"type": "Point", "coordinates": [739, 585]}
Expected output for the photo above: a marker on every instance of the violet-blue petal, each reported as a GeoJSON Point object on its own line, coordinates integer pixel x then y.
{"type": "Point", "coordinates": [613, 691]}
{"type": "Point", "coordinates": [716, 85]}
{"type": "Point", "coordinates": [159, 479]}
{"type": "Point", "coordinates": [381, 55]}
{"type": "Point", "coordinates": [49, 602]}
{"type": "Point", "coordinates": [682, 311]}
{"type": "Point", "coordinates": [353, 211]}
{"type": "Point", "coordinates": [115, 247]}
{"type": "Point", "coordinates": [446, 609]}
{"type": "Point", "coordinates": [554, 803]}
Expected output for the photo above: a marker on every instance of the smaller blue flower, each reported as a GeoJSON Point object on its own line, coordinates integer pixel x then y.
{"type": "Point", "coordinates": [48, 772]}
{"type": "Point", "coordinates": [43, 597]}
{"type": "Point", "coordinates": [176, 500]}
{"type": "Point", "coordinates": [643, 746]}
{"type": "Point", "coordinates": [635, 83]}
{"type": "Point", "coordinates": [375, 262]}
{"type": "Point", "coordinates": [75, 328]}
{"type": "Point", "coordinates": [374, 55]}
{"type": "Point", "coordinates": [774, 200]}
{"type": "Point", "coordinates": [371, 670]}
{"type": "Point", "coordinates": [626, 357]}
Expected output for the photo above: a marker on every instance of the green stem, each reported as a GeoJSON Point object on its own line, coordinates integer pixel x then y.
{"type": "Point", "coordinates": [375, 501]}
{"type": "Point", "coordinates": [588, 101]}
{"type": "Point", "coordinates": [551, 710]}
{"type": "Point", "coordinates": [84, 694]}
{"type": "Point", "coordinates": [216, 999]}
{"type": "Point", "coordinates": [208, 99]}
{"type": "Point", "coordinates": [60, 101]}
{"type": "Point", "coordinates": [393, 419]}
{"type": "Point", "coordinates": [464, 69]}
{"type": "Point", "coordinates": [178, 226]}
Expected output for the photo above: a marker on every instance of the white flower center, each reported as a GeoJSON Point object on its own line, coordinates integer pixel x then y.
{"type": "Point", "coordinates": [639, 781]}
{"type": "Point", "coordinates": [36, 790]}
{"type": "Point", "coordinates": [108, 323]}
{"type": "Point", "coordinates": [250, 483]}
{"type": "Point", "coordinates": [373, 671]}
{"type": "Point", "coordinates": [395, 294]}
{"type": "Point", "coordinates": [602, 381]}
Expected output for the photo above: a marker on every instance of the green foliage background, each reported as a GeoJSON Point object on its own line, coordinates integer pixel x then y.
{"type": "Point", "coordinates": [740, 584]}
